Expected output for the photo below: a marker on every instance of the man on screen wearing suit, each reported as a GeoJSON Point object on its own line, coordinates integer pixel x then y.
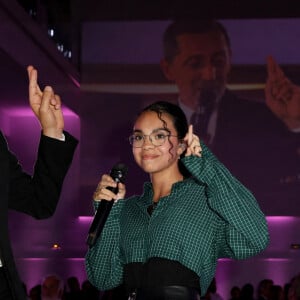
{"type": "Point", "coordinates": [259, 143]}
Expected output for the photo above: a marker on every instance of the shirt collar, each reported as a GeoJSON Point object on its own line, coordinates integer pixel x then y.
{"type": "Point", "coordinates": [187, 111]}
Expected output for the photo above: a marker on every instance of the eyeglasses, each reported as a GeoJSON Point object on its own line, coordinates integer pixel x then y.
{"type": "Point", "coordinates": [137, 140]}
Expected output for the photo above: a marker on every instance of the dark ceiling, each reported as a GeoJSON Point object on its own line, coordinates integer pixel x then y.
{"type": "Point", "coordinates": [97, 10]}
{"type": "Point", "coordinates": [67, 16]}
{"type": "Point", "coordinates": [163, 9]}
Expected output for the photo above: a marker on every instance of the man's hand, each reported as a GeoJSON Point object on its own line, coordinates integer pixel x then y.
{"type": "Point", "coordinates": [46, 106]}
{"type": "Point", "coordinates": [282, 96]}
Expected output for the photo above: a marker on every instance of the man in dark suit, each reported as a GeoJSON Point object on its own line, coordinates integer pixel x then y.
{"type": "Point", "coordinates": [259, 143]}
{"type": "Point", "coordinates": [37, 195]}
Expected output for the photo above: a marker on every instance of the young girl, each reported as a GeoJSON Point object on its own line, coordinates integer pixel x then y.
{"type": "Point", "coordinates": [164, 244]}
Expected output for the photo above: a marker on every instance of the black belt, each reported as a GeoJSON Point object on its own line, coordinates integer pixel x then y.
{"type": "Point", "coordinates": [172, 292]}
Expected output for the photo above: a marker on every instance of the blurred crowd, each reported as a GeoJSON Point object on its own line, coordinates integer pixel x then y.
{"type": "Point", "coordinates": [52, 287]}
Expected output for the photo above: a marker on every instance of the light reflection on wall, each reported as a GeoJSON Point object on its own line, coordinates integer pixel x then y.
{"type": "Point", "coordinates": [284, 230]}
{"type": "Point", "coordinates": [22, 130]}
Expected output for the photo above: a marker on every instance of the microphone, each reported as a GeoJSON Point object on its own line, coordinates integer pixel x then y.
{"type": "Point", "coordinates": [118, 173]}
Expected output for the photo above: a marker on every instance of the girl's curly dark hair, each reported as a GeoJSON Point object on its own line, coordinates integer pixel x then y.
{"type": "Point", "coordinates": [179, 121]}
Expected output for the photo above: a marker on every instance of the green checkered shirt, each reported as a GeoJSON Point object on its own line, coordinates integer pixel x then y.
{"type": "Point", "coordinates": [208, 216]}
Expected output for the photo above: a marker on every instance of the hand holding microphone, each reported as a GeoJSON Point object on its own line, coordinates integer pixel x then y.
{"type": "Point", "coordinates": [110, 188]}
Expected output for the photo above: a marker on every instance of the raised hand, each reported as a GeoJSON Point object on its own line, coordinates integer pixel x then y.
{"type": "Point", "coordinates": [193, 143]}
{"type": "Point", "coordinates": [282, 96]}
{"type": "Point", "coordinates": [46, 106]}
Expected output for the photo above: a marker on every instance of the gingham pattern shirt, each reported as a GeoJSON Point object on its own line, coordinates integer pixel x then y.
{"type": "Point", "coordinates": [208, 216]}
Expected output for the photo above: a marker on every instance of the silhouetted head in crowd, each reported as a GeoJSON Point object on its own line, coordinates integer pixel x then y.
{"type": "Point", "coordinates": [294, 289]}
{"type": "Point", "coordinates": [264, 289]}
{"type": "Point", "coordinates": [52, 288]}
{"type": "Point", "coordinates": [235, 293]}
{"type": "Point", "coordinates": [247, 292]}
{"type": "Point", "coordinates": [73, 284]}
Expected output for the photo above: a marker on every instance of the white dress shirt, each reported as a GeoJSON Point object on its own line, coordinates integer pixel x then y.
{"type": "Point", "coordinates": [212, 124]}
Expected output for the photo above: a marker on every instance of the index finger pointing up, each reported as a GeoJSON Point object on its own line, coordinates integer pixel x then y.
{"type": "Point", "coordinates": [190, 134]}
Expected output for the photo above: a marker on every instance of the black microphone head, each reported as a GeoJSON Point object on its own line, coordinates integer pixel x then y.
{"type": "Point", "coordinates": [118, 172]}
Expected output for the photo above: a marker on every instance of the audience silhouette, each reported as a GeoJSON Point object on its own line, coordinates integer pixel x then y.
{"type": "Point", "coordinates": [72, 290]}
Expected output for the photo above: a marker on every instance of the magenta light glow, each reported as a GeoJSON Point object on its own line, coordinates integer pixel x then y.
{"type": "Point", "coordinates": [270, 219]}
{"type": "Point", "coordinates": [25, 111]}
{"type": "Point", "coordinates": [85, 219]}
{"type": "Point", "coordinates": [282, 219]}
{"type": "Point", "coordinates": [15, 117]}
